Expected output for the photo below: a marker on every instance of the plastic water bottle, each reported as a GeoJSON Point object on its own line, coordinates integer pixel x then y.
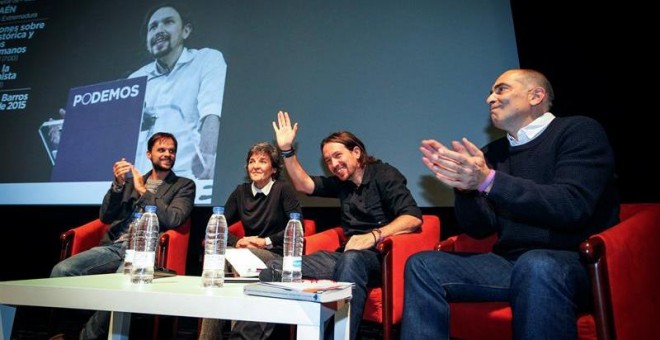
{"type": "Point", "coordinates": [215, 244]}
{"type": "Point", "coordinates": [293, 248]}
{"type": "Point", "coordinates": [130, 248]}
{"type": "Point", "coordinates": [146, 238]}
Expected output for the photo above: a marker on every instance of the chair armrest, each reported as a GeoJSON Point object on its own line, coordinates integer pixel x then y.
{"type": "Point", "coordinates": [625, 285]}
{"type": "Point", "coordinates": [81, 238]}
{"type": "Point", "coordinates": [399, 247]}
{"type": "Point", "coordinates": [395, 251]}
{"type": "Point", "coordinates": [329, 240]}
{"type": "Point", "coordinates": [173, 248]}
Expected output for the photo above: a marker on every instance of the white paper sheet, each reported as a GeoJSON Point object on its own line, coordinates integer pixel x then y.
{"type": "Point", "coordinates": [244, 262]}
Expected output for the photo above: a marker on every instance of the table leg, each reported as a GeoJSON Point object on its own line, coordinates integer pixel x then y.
{"type": "Point", "coordinates": [309, 332]}
{"type": "Point", "coordinates": [120, 324]}
{"type": "Point", "coordinates": [339, 312]}
{"type": "Point", "coordinates": [342, 320]}
{"type": "Point", "coordinates": [7, 314]}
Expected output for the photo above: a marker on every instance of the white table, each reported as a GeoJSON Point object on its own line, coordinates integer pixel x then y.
{"type": "Point", "coordinates": [178, 295]}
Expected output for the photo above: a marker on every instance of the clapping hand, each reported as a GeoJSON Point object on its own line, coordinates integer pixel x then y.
{"type": "Point", "coordinates": [462, 167]}
{"type": "Point", "coordinates": [120, 169]}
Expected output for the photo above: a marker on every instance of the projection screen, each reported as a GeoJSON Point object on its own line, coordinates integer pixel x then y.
{"type": "Point", "coordinates": [392, 72]}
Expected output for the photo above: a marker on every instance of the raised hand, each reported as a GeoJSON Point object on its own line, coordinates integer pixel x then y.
{"type": "Point", "coordinates": [55, 131]}
{"type": "Point", "coordinates": [284, 132]}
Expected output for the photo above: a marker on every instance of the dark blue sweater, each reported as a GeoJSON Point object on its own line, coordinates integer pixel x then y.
{"type": "Point", "coordinates": [551, 193]}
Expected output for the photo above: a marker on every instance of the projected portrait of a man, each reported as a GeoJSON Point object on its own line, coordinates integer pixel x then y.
{"type": "Point", "coordinates": [184, 92]}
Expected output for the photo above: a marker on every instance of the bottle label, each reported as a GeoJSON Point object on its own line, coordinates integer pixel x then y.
{"type": "Point", "coordinates": [292, 263]}
{"type": "Point", "coordinates": [214, 262]}
{"type": "Point", "coordinates": [129, 256]}
{"type": "Point", "coordinates": [144, 259]}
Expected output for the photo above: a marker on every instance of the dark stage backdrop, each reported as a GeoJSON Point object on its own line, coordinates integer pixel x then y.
{"type": "Point", "coordinates": [393, 72]}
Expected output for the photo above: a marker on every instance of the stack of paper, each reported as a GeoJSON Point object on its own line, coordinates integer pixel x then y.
{"type": "Point", "coordinates": [308, 290]}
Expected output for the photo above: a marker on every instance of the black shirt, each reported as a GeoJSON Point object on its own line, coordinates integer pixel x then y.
{"type": "Point", "coordinates": [262, 216]}
{"type": "Point", "coordinates": [382, 197]}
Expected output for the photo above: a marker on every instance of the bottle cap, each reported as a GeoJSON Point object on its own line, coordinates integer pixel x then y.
{"type": "Point", "coordinates": [218, 210]}
{"type": "Point", "coordinates": [150, 208]}
{"type": "Point", "coordinates": [294, 216]}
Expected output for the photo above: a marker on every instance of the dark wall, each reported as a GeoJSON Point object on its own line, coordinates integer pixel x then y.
{"type": "Point", "coordinates": [580, 50]}
{"type": "Point", "coordinates": [593, 61]}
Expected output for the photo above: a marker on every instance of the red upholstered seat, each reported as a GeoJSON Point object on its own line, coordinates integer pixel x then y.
{"type": "Point", "coordinates": [172, 245]}
{"type": "Point", "coordinates": [623, 263]}
{"type": "Point", "coordinates": [385, 304]}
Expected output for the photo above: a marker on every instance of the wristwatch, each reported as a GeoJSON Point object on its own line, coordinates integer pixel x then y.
{"type": "Point", "coordinates": [116, 187]}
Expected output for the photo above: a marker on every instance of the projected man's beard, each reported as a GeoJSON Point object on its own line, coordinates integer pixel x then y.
{"type": "Point", "coordinates": [160, 45]}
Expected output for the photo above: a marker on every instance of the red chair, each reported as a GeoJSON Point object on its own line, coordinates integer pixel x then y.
{"type": "Point", "coordinates": [624, 285]}
{"type": "Point", "coordinates": [385, 304]}
{"type": "Point", "coordinates": [171, 252]}
{"type": "Point", "coordinates": [173, 248]}
{"type": "Point", "coordinates": [172, 245]}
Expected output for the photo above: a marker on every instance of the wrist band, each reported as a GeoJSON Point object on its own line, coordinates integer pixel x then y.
{"type": "Point", "coordinates": [376, 240]}
{"type": "Point", "coordinates": [288, 153]}
{"type": "Point", "coordinates": [487, 182]}
{"type": "Point", "coordinates": [380, 235]}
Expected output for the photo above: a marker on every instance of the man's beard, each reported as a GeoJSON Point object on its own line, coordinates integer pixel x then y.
{"type": "Point", "coordinates": [161, 53]}
{"type": "Point", "coordinates": [158, 167]}
{"type": "Point", "coordinates": [165, 39]}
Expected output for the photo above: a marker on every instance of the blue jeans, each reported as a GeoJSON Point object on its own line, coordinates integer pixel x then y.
{"type": "Point", "coordinates": [98, 260]}
{"type": "Point", "coordinates": [545, 288]}
{"type": "Point", "coordinates": [361, 267]}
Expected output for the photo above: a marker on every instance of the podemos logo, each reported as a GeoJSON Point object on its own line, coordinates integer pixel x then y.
{"type": "Point", "coordinates": [106, 95]}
